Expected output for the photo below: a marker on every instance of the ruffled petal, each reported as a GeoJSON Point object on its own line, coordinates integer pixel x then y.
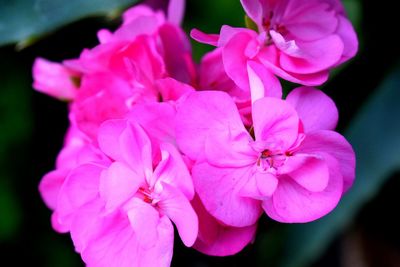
{"type": "Point", "coordinates": [316, 110]}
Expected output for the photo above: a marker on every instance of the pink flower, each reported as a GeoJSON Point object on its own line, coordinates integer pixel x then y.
{"type": "Point", "coordinates": [299, 41]}
{"type": "Point", "coordinates": [119, 213]}
{"type": "Point", "coordinates": [293, 155]}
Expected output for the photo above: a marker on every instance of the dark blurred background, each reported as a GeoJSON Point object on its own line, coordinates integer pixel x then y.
{"type": "Point", "coordinates": [364, 231]}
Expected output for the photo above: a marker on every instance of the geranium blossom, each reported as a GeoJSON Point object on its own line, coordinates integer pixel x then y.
{"type": "Point", "coordinates": [235, 173]}
{"type": "Point", "coordinates": [299, 41]}
{"type": "Point", "coordinates": [119, 212]}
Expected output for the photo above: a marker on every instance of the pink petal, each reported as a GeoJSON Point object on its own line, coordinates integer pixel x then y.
{"type": "Point", "coordinates": [235, 58]}
{"type": "Point", "coordinates": [50, 186]}
{"type": "Point", "coordinates": [54, 79]}
{"type": "Point", "coordinates": [335, 145]}
{"type": "Point", "coordinates": [177, 53]}
{"type": "Point", "coordinates": [200, 113]}
{"type": "Point", "coordinates": [117, 245]}
{"type": "Point", "coordinates": [253, 9]}
{"type": "Point", "coordinates": [176, 206]}
{"type": "Point", "coordinates": [118, 183]}
{"type": "Point", "coordinates": [216, 239]}
{"type": "Point", "coordinates": [80, 187]}
{"type": "Point", "coordinates": [309, 171]}
{"type": "Point", "coordinates": [349, 37]}
{"type": "Point", "coordinates": [176, 10]}
{"type": "Point", "coordinates": [172, 170]}
{"type": "Point", "coordinates": [310, 21]}
{"type": "Point", "coordinates": [275, 122]}
{"type": "Point", "coordinates": [157, 119]}
{"type": "Point", "coordinates": [201, 37]}
{"type": "Point", "coordinates": [88, 220]}
{"type": "Point", "coordinates": [226, 149]}
{"type": "Point", "coordinates": [292, 203]}
{"type": "Point", "coordinates": [310, 79]}
{"type": "Point", "coordinates": [135, 147]}
{"type": "Point", "coordinates": [218, 189]}
{"type": "Point", "coordinates": [314, 56]}
{"type": "Point", "coordinates": [172, 90]}
{"type": "Point", "coordinates": [260, 186]}
{"type": "Point", "coordinates": [316, 110]}
{"type": "Point", "coordinates": [108, 135]}
{"type": "Point", "coordinates": [144, 219]}
{"type": "Point", "coordinates": [262, 82]}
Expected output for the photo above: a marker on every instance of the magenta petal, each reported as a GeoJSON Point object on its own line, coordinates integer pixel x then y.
{"type": "Point", "coordinates": [219, 190]}
{"type": "Point", "coordinates": [173, 170]}
{"type": "Point", "coordinates": [235, 59]}
{"type": "Point", "coordinates": [176, 10]}
{"type": "Point", "coordinates": [349, 37]}
{"type": "Point", "coordinates": [266, 183]}
{"type": "Point", "coordinates": [177, 208]}
{"type": "Point", "coordinates": [316, 110]}
{"type": "Point", "coordinates": [253, 9]}
{"type": "Point", "coordinates": [335, 145]}
{"type": "Point", "coordinates": [116, 245]}
{"type": "Point", "coordinates": [144, 219]}
{"type": "Point", "coordinates": [157, 119]}
{"type": "Point", "coordinates": [54, 79]}
{"type": "Point", "coordinates": [292, 203]}
{"type": "Point", "coordinates": [135, 147]}
{"type": "Point", "coordinates": [50, 186]}
{"type": "Point", "coordinates": [309, 171]}
{"type": "Point", "coordinates": [201, 37]}
{"type": "Point", "coordinates": [80, 187]}
{"type": "Point", "coordinates": [226, 149]}
{"type": "Point", "coordinates": [311, 21]}
{"type": "Point", "coordinates": [108, 135]}
{"type": "Point", "coordinates": [263, 83]}
{"type": "Point", "coordinates": [201, 113]}
{"type": "Point", "coordinates": [117, 184]}
{"type": "Point", "coordinates": [216, 239]}
{"type": "Point", "coordinates": [275, 122]}
{"type": "Point", "coordinates": [177, 53]}
{"type": "Point", "coordinates": [310, 79]}
{"type": "Point", "coordinates": [315, 56]}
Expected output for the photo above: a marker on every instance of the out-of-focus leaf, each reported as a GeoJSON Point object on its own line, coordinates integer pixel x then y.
{"type": "Point", "coordinates": [24, 21]}
{"type": "Point", "coordinates": [375, 136]}
{"type": "Point", "coordinates": [15, 128]}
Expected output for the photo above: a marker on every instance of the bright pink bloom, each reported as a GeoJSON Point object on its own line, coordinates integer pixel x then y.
{"type": "Point", "coordinates": [299, 41]}
{"type": "Point", "coordinates": [120, 212]}
{"type": "Point", "coordinates": [292, 156]}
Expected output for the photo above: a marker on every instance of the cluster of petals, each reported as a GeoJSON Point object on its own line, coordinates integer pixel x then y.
{"type": "Point", "coordinates": [156, 140]}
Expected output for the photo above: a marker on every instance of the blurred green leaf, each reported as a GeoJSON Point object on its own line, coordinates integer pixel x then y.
{"type": "Point", "coordinates": [15, 129]}
{"type": "Point", "coordinates": [375, 136]}
{"type": "Point", "coordinates": [23, 21]}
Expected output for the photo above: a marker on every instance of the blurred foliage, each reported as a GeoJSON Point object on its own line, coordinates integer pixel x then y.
{"type": "Point", "coordinates": [24, 21]}
{"type": "Point", "coordinates": [16, 124]}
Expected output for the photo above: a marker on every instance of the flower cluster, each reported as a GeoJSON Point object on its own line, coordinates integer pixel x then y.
{"type": "Point", "coordinates": [156, 140]}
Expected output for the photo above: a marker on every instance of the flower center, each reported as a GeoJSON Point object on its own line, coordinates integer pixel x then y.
{"type": "Point", "coordinates": [146, 195]}
{"type": "Point", "coordinates": [269, 24]}
{"type": "Point", "coordinates": [270, 161]}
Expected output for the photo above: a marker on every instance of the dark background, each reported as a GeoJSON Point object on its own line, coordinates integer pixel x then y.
{"type": "Point", "coordinates": [32, 126]}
